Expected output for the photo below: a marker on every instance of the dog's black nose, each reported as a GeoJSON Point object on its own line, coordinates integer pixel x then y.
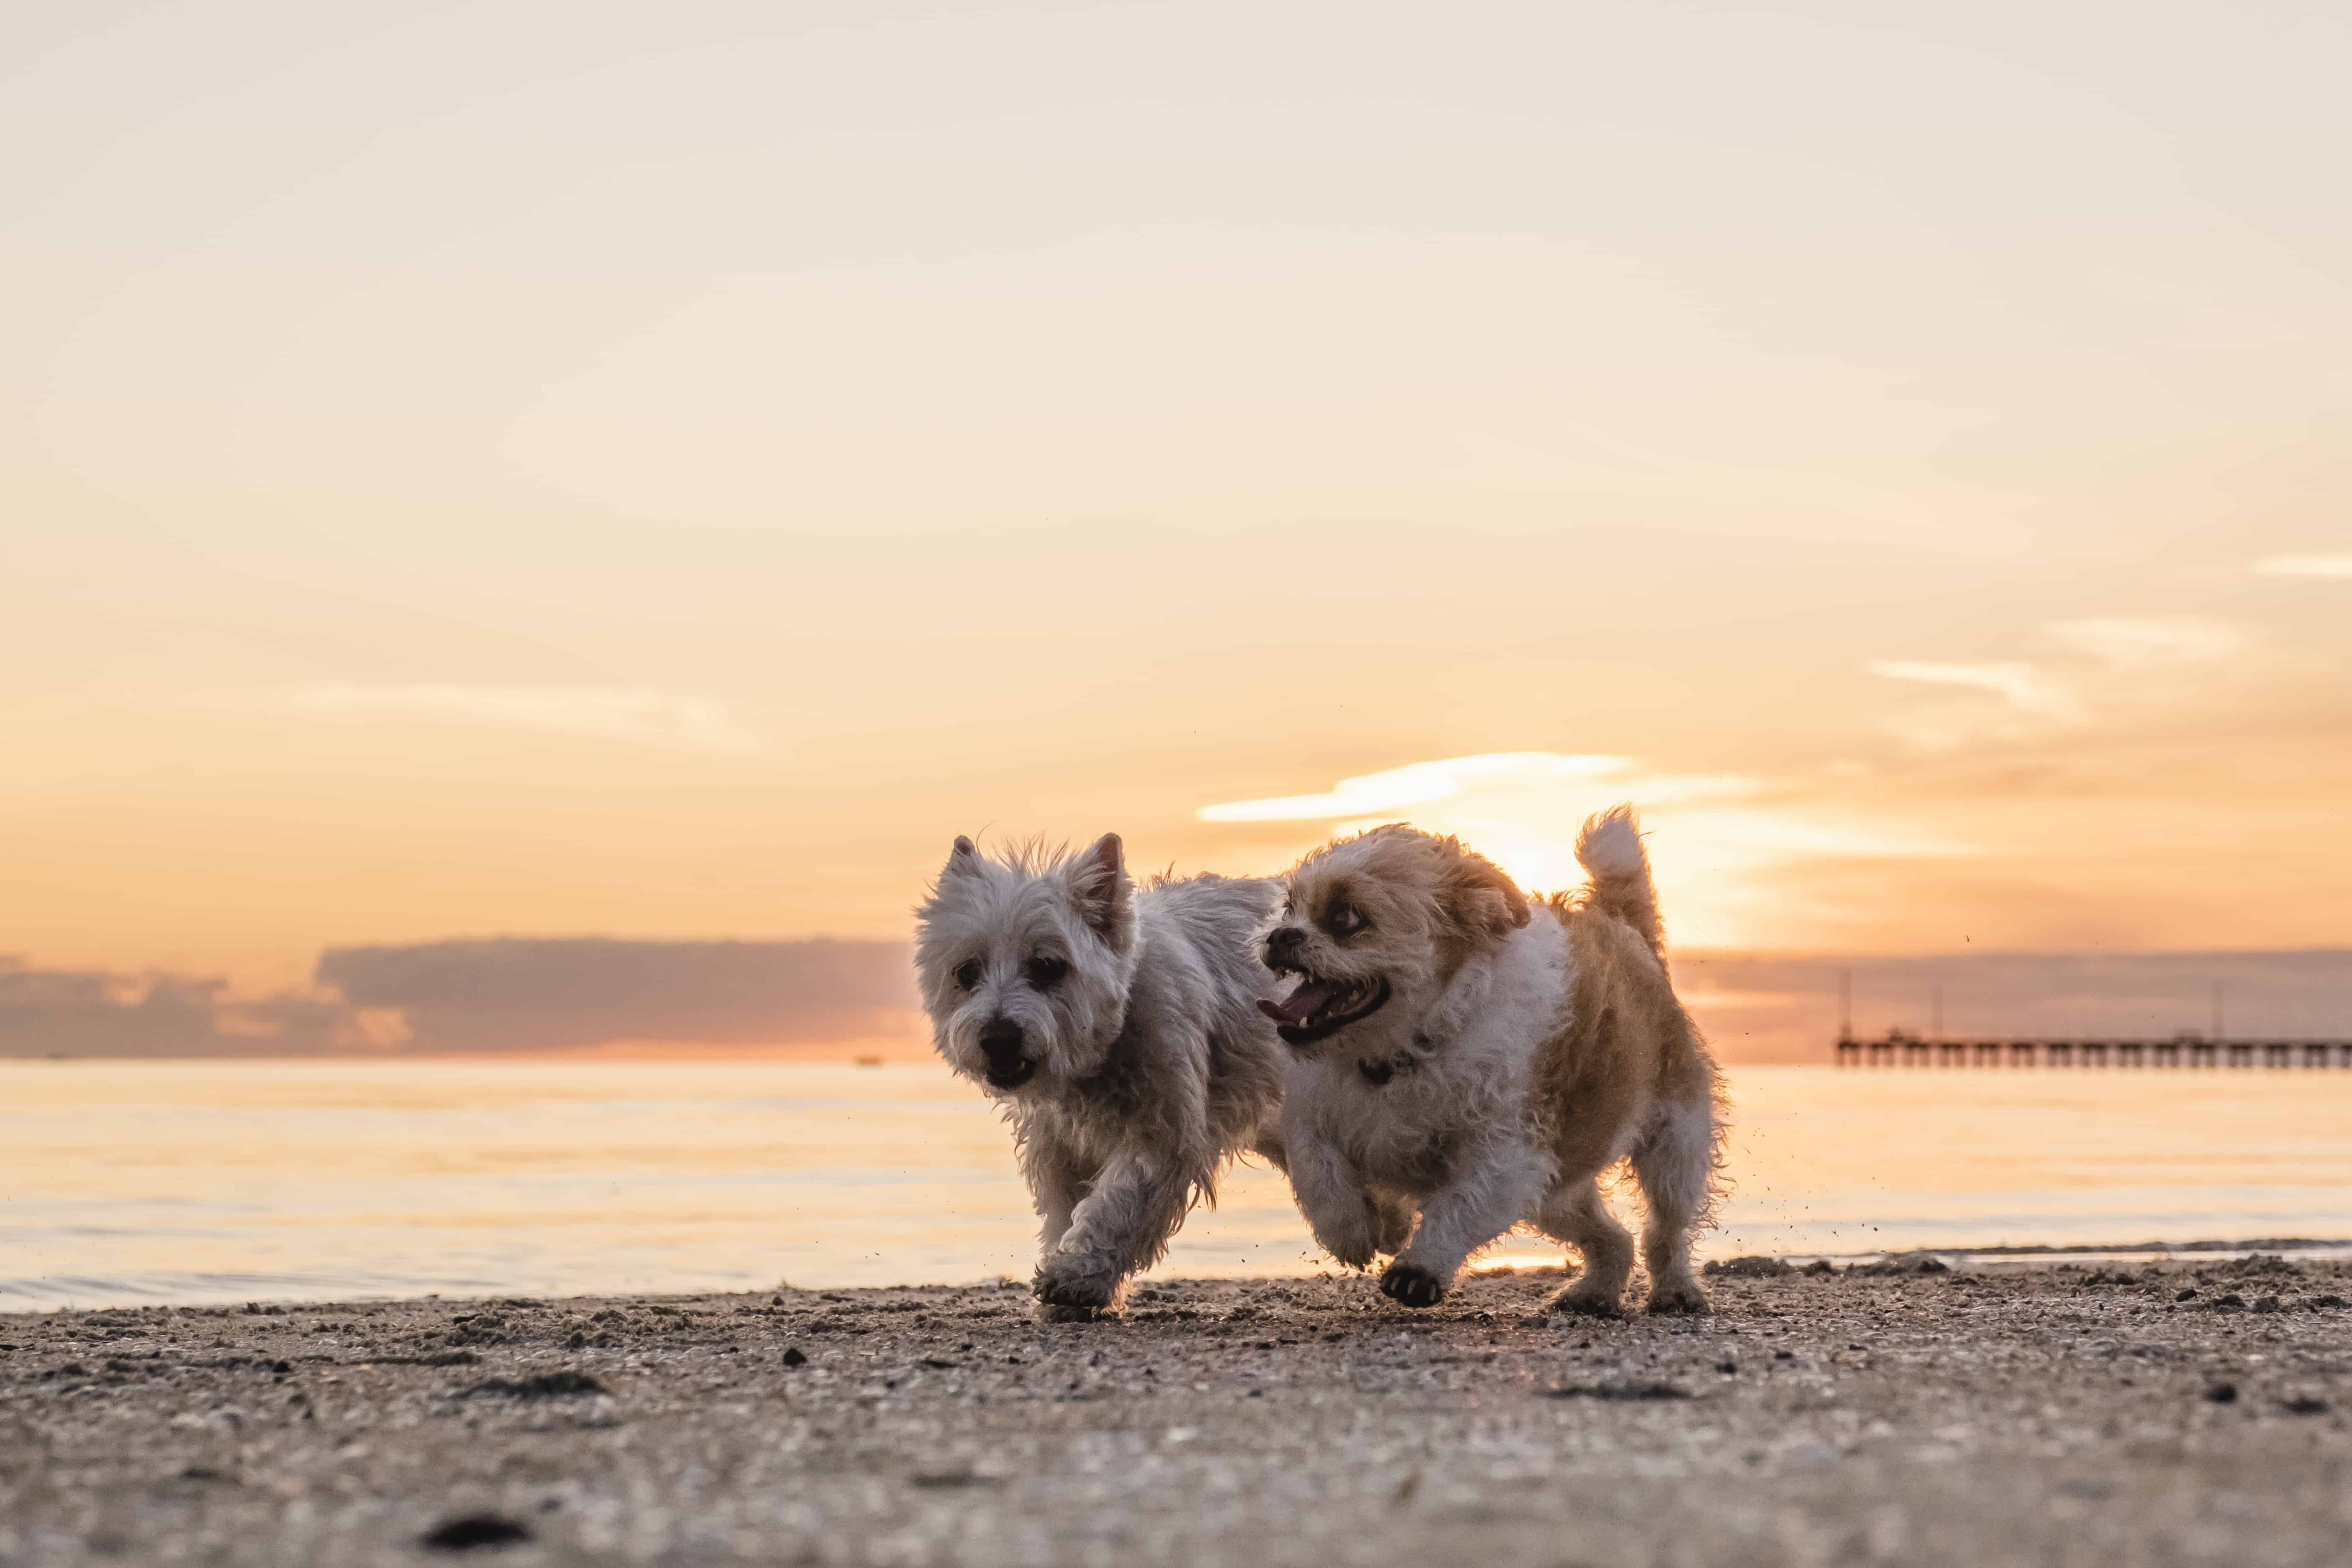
{"type": "Point", "coordinates": [1000, 1039]}
{"type": "Point", "coordinates": [1282, 945]}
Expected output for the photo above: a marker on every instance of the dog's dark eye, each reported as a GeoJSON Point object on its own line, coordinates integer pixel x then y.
{"type": "Point", "coordinates": [967, 974]}
{"type": "Point", "coordinates": [1345, 920]}
{"type": "Point", "coordinates": [1045, 973]}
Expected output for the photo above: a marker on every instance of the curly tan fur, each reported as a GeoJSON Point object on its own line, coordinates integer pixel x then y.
{"type": "Point", "coordinates": [1491, 1061]}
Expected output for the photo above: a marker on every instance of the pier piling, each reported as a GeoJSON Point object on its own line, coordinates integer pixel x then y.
{"type": "Point", "coordinates": [2191, 1053]}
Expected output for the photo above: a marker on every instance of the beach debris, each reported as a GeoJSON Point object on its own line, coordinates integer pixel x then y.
{"type": "Point", "coordinates": [942, 1480]}
{"type": "Point", "coordinates": [1618, 1391]}
{"type": "Point", "coordinates": [1818, 1267]}
{"type": "Point", "coordinates": [2186, 1293]}
{"type": "Point", "coordinates": [1750, 1267]}
{"type": "Point", "coordinates": [471, 1531]}
{"type": "Point", "coordinates": [795, 1356]}
{"type": "Point", "coordinates": [565, 1385]}
{"type": "Point", "coordinates": [2223, 1394]}
{"type": "Point", "coordinates": [2304, 1404]}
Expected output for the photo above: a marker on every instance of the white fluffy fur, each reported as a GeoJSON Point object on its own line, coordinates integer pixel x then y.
{"type": "Point", "coordinates": [1141, 1065]}
{"type": "Point", "coordinates": [1478, 1097]}
{"type": "Point", "coordinates": [1448, 1134]}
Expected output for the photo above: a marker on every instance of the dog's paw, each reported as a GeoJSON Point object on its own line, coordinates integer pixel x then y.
{"type": "Point", "coordinates": [1075, 1284]}
{"type": "Point", "coordinates": [1682, 1297]}
{"type": "Point", "coordinates": [1409, 1285]}
{"type": "Point", "coordinates": [1584, 1303]}
{"type": "Point", "coordinates": [1350, 1245]}
{"type": "Point", "coordinates": [1392, 1223]}
{"type": "Point", "coordinates": [1053, 1312]}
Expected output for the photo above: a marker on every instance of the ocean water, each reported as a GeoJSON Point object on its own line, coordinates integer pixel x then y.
{"type": "Point", "coordinates": [212, 1181]}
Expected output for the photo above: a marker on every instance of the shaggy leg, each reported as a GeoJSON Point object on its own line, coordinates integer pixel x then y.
{"type": "Point", "coordinates": [1482, 1202]}
{"type": "Point", "coordinates": [1331, 1194]}
{"type": "Point", "coordinates": [1393, 1215]}
{"type": "Point", "coordinates": [1122, 1225]}
{"type": "Point", "coordinates": [1574, 1213]}
{"type": "Point", "coordinates": [1674, 1167]}
{"type": "Point", "coordinates": [1058, 1180]}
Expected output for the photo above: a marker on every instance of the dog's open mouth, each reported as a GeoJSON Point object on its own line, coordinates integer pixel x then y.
{"type": "Point", "coordinates": [1319, 1008]}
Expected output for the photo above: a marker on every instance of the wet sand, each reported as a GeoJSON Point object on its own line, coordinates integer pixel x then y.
{"type": "Point", "coordinates": [2032, 1415]}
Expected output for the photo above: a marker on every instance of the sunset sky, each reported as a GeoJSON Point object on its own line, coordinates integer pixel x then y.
{"type": "Point", "coordinates": [663, 471]}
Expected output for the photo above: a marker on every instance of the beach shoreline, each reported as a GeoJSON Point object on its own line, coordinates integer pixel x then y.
{"type": "Point", "coordinates": [2184, 1412]}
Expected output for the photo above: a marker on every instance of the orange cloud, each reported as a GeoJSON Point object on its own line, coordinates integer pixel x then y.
{"type": "Point", "coordinates": [1717, 849]}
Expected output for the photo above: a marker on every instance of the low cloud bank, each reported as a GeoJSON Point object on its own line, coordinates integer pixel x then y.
{"type": "Point", "coordinates": [522, 994]}
{"type": "Point", "coordinates": [503, 994]}
{"type": "Point", "coordinates": [514, 994]}
{"type": "Point", "coordinates": [96, 1013]}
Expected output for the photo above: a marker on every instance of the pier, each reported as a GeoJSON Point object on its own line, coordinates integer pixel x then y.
{"type": "Point", "coordinates": [1897, 1048]}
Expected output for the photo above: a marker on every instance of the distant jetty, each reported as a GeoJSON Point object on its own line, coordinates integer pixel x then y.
{"type": "Point", "coordinates": [1899, 1048]}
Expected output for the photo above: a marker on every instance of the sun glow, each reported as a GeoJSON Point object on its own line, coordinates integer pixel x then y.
{"type": "Point", "coordinates": [1714, 846]}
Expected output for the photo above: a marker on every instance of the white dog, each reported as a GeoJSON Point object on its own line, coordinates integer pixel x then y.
{"type": "Point", "coordinates": [1484, 1061]}
{"type": "Point", "coordinates": [1119, 1029]}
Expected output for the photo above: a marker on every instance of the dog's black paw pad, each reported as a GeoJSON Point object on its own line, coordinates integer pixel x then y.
{"type": "Point", "coordinates": [1412, 1286]}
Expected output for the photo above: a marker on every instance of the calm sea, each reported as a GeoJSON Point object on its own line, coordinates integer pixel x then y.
{"type": "Point", "coordinates": [191, 1182]}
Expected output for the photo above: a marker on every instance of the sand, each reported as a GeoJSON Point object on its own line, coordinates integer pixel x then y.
{"type": "Point", "coordinates": [2034, 1416]}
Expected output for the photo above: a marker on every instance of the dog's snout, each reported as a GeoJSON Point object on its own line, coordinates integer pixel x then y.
{"type": "Point", "coordinates": [1283, 943]}
{"type": "Point", "coordinates": [1009, 1065]}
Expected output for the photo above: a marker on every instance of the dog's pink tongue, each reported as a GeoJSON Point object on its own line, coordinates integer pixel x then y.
{"type": "Point", "coordinates": [1300, 1005]}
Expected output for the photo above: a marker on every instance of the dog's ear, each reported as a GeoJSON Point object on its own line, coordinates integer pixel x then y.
{"type": "Point", "coordinates": [1476, 896]}
{"type": "Point", "coordinates": [1103, 895]}
{"type": "Point", "coordinates": [963, 861]}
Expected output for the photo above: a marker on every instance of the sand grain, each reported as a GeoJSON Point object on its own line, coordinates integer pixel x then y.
{"type": "Point", "coordinates": [2036, 1415]}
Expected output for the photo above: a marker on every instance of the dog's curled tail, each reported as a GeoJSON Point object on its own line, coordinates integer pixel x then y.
{"type": "Point", "coordinates": [1610, 849]}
